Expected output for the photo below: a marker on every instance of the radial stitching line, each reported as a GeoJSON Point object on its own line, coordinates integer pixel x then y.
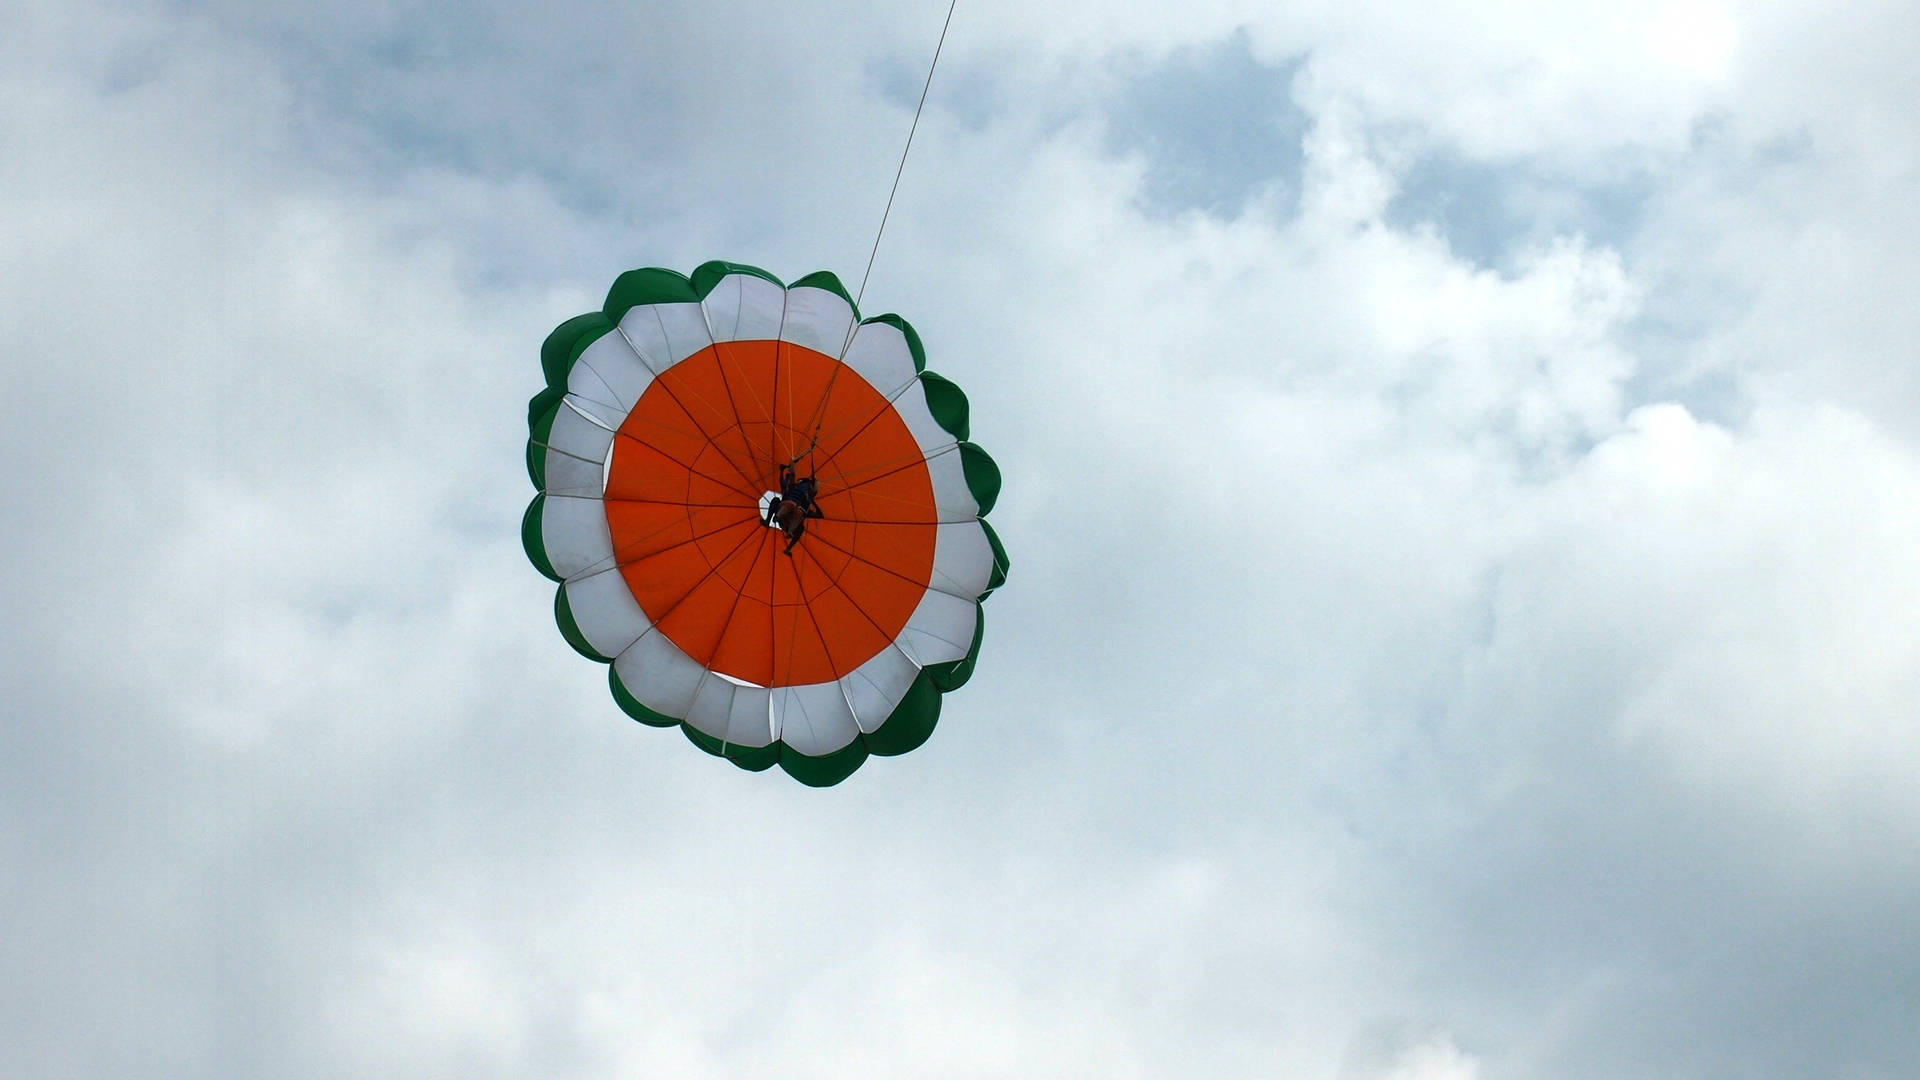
{"type": "Point", "coordinates": [773, 626]}
{"type": "Point", "coordinates": [921, 452]}
{"type": "Point", "coordinates": [892, 642]}
{"type": "Point", "coordinates": [902, 467]}
{"type": "Point", "coordinates": [885, 407]}
{"type": "Point", "coordinates": [720, 358]}
{"type": "Point", "coordinates": [698, 432]}
{"type": "Point", "coordinates": [653, 625]}
{"type": "Point", "coordinates": [853, 556]}
{"type": "Point", "coordinates": [699, 506]}
{"type": "Point", "coordinates": [781, 358]}
{"type": "Point", "coordinates": [572, 400]}
{"type": "Point", "coordinates": [819, 416]}
{"type": "Point", "coordinates": [619, 431]}
{"type": "Point", "coordinates": [713, 439]}
{"type": "Point", "coordinates": [887, 468]}
{"type": "Point", "coordinates": [833, 582]}
{"type": "Point", "coordinates": [610, 402]}
{"type": "Point", "coordinates": [933, 567]}
{"type": "Point", "coordinates": [795, 640]}
{"type": "Point", "coordinates": [613, 560]}
{"type": "Point", "coordinates": [675, 606]}
{"type": "Point", "coordinates": [870, 419]}
{"type": "Point", "coordinates": [780, 341]}
{"type": "Point", "coordinates": [773, 409]}
{"type": "Point", "coordinates": [727, 624]}
{"type": "Point", "coordinates": [546, 488]}
{"type": "Point", "coordinates": [693, 538]}
{"type": "Point", "coordinates": [885, 521]}
{"type": "Point", "coordinates": [660, 377]}
{"type": "Point", "coordinates": [833, 664]}
{"type": "Point", "coordinates": [602, 462]}
{"type": "Point", "coordinates": [691, 471]}
{"type": "Point", "coordinates": [793, 636]}
{"type": "Point", "coordinates": [701, 551]}
{"type": "Point", "coordinates": [628, 415]}
{"type": "Point", "coordinates": [928, 586]}
{"type": "Point", "coordinates": [890, 399]}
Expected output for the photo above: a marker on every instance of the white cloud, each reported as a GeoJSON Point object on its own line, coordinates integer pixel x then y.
{"type": "Point", "coordinates": [1436, 1058]}
{"type": "Point", "coordinates": [1382, 641]}
{"type": "Point", "coordinates": [1774, 663]}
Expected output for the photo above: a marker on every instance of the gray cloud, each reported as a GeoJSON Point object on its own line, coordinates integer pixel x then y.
{"type": "Point", "coordinates": [1461, 707]}
{"type": "Point", "coordinates": [1216, 126]}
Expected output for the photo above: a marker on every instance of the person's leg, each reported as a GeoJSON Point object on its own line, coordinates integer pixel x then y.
{"type": "Point", "coordinates": [792, 521]}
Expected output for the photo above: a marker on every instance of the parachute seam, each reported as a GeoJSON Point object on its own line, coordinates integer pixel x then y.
{"type": "Point", "coordinates": [660, 376]}
{"type": "Point", "coordinates": [891, 399]}
{"type": "Point", "coordinates": [720, 355]}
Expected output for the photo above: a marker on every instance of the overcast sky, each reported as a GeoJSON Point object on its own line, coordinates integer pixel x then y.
{"type": "Point", "coordinates": [1462, 478]}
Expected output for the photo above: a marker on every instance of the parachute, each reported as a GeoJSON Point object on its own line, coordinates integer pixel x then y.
{"type": "Point", "coordinates": [674, 423]}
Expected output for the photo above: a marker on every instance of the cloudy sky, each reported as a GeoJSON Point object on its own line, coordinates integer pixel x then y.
{"type": "Point", "coordinates": [1463, 483]}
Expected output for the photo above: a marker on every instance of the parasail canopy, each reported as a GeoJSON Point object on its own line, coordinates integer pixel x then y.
{"type": "Point", "coordinates": [675, 423]}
